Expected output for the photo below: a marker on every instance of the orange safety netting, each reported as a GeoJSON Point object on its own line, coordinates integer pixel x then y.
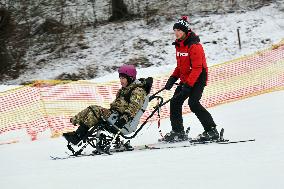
{"type": "Point", "coordinates": [45, 105]}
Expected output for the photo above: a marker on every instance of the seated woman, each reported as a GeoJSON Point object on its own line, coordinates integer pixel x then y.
{"type": "Point", "coordinates": [129, 100]}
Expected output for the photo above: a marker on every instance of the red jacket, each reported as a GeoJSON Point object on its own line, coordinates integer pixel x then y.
{"type": "Point", "coordinates": [190, 60]}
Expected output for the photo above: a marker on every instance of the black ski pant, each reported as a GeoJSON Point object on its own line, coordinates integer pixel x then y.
{"type": "Point", "coordinates": [193, 101]}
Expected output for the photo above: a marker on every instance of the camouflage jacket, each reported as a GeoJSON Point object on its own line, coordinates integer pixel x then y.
{"type": "Point", "coordinates": [130, 99]}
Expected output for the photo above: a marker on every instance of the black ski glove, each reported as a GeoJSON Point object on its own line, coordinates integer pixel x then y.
{"type": "Point", "coordinates": [170, 83]}
{"type": "Point", "coordinates": [185, 90]}
{"type": "Point", "coordinates": [121, 121]}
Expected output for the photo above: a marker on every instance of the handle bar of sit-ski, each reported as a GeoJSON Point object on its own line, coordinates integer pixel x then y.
{"type": "Point", "coordinates": [162, 103]}
{"type": "Point", "coordinates": [154, 95]}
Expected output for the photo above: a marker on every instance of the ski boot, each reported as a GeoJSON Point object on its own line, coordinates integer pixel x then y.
{"type": "Point", "coordinates": [209, 135]}
{"type": "Point", "coordinates": [76, 136]}
{"type": "Point", "coordinates": [119, 146]}
{"type": "Point", "coordinates": [174, 136]}
{"type": "Point", "coordinates": [127, 146]}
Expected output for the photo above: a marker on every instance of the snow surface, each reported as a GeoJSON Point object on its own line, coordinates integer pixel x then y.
{"type": "Point", "coordinates": [135, 42]}
{"type": "Point", "coordinates": [252, 165]}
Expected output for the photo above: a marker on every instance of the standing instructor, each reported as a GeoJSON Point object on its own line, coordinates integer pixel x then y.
{"type": "Point", "coordinates": [192, 71]}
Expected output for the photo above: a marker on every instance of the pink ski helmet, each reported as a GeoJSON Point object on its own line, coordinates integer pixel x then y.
{"type": "Point", "coordinates": [128, 70]}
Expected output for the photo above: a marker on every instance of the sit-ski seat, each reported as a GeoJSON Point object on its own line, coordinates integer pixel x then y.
{"type": "Point", "coordinates": [131, 126]}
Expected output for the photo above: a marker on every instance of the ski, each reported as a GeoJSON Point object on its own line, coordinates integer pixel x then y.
{"type": "Point", "coordinates": [69, 156]}
{"type": "Point", "coordinates": [236, 141]}
{"type": "Point", "coordinates": [94, 153]}
{"type": "Point", "coordinates": [137, 148]}
{"type": "Point", "coordinates": [190, 144]}
{"type": "Point", "coordinates": [196, 141]}
{"type": "Point", "coordinates": [155, 146]}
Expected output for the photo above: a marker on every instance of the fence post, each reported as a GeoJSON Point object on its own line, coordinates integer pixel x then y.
{"type": "Point", "coordinates": [239, 38]}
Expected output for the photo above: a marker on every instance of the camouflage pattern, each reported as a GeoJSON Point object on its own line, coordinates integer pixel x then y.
{"type": "Point", "coordinates": [136, 100]}
{"type": "Point", "coordinates": [93, 114]}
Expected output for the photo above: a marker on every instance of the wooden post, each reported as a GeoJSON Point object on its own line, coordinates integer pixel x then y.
{"type": "Point", "coordinates": [239, 38]}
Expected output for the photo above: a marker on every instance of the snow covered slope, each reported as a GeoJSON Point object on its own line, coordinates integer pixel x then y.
{"type": "Point", "coordinates": [109, 46]}
{"type": "Point", "coordinates": [253, 165]}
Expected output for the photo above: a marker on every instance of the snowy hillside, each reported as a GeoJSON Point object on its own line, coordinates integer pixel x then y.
{"type": "Point", "coordinates": [101, 50]}
{"type": "Point", "coordinates": [252, 165]}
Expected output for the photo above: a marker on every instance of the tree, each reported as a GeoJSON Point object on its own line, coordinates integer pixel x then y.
{"type": "Point", "coordinates": [6, 28]}
{"type": "Point", "coordinates": [94, 12]}
{"type": "Point", "coordinates": [119, 10]}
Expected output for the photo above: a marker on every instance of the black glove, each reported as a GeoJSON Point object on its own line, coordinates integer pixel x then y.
{"type": "Point", "coordinates": [185, 90]}
{"type": "Point", "coordinates": [121, 121]}
{"type": "Point", "coordinates": [170, 83]}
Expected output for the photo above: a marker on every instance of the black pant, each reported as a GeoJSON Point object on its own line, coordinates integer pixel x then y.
{"type": "Point", "coordinates": [201, 113]}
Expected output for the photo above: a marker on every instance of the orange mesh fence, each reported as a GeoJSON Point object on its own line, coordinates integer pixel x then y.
{"type": "Point", "coordinates": [45, 106]}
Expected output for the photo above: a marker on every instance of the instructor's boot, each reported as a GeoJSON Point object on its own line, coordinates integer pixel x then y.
{"type": "Point", "coordinates": [76, 136]}
{"type": "Point", "coordinates": [209, 135]}
{"type": "Point", "coordinates": [174, 136]}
